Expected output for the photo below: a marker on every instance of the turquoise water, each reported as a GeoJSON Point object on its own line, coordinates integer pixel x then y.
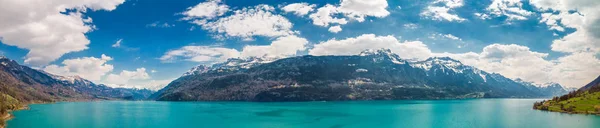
{"type": "Point", "coordinates": [488, 113]}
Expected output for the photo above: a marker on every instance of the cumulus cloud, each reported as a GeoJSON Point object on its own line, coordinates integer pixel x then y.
{"type": "Point", "coordinates": [200, 54]}
{"type": "Point", "coordinates": [299, 9]}
{"type": "Point", "coordinates": [90, 68]}
{"type": "Point", "coordinates": [135, 79]}
{"type": "Point", "coordinates": [436, 36]}
{"type": "Point", "coordinates": [440, 10]}
{"type": "Point", "coordinates": [125, 76]}
{"type": "Point", "coordinates": [359, 9]}
{"type": "Point", "coordinates": [245, 23]}
{"type": "Point", "coordinates": [452, 37]}
{"type": "Point", "coordinates": [353, 46]}
{"type": "Point", "coordinates": [512, 9]}
{"type": "Point", "coordinates": [209, 9]}
{"type": "Point", "coordinates": [44, 29]}
{"type": "Point", "coordinates": [516, 61]}
{"type": "Point", "coordinates": [584, 18]}
{"type": "Point", "coordinates": [152, 84]}
{"type": "Point", "coordinates": [349, 9]}
{"type": "Point", "coordinates": [281, 47]}
{"type": "Point", "coordinates": [335, 29]}
{"type": "Point", "coordinates": [324, 16]}
{"type": "Point", "coordinates": [576, 69]}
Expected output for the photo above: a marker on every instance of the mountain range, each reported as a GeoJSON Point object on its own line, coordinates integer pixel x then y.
{"type": "Point", "coordinates": [370, 75]}
{"type": "Point", "coordinates": [25, 85]}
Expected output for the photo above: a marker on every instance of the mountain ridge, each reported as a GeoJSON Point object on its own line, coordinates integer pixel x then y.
{"type": "Point", "coordinates": [21, 85]}
{"type": "Point", "coordinates": [370, 75]}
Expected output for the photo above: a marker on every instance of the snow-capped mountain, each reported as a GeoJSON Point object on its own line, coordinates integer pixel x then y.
{"type": "Point", "coordinates": [370, 75]}
{"type": "Point", "coordinates": [27, 84]}
{"type": "Point", "coordinates": [550, 89]}
{"type": "Point", "coordinates": [230, 65]}
{"type": "Point", "coordinates": [447, 65]}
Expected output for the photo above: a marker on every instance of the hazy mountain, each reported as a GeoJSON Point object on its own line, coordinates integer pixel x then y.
{"type": "Point", "coordinates": [29, 85]}
{"type": "Point", "coordinates": [371, 75]}
{"type": "Point", "coordinates": [548, 89]}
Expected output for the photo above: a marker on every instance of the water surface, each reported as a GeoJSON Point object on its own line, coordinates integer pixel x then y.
{"type": "Point", "coordinates": [477, 113]}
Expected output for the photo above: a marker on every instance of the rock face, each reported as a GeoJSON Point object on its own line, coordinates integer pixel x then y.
{"type": "Point", "coordinates": [28, 85]}
{"type": "Point", "coordinates": [371, 75]}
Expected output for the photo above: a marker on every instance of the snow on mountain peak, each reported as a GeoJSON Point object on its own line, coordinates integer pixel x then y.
{"type": "Point", "coordinates": [445, 62]}
{"type": "Point", "coordinates": [231, 64]}
{"type": "Point", "coordinates": [382, 54]}
{"type": "Point", "coordinates": [540, 85]}
{"type": "Point", "coordinates": [382, 51]}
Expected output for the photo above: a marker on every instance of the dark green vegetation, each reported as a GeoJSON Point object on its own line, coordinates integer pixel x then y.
{"type": "Point", "coordinates": [585, 100]}
{"type": "Point", "coordinates": [21, 85]}
{"type": "Point", "coordinates": [372, 75]}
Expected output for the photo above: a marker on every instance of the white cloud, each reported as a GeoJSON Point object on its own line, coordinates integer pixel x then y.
{"type": "Point", "coordinates": [576, 69]}
{"type": "Point", "coordinates": [353, 46]}
{"type": "Point", "coordinates": [124, 77]}
{"type": "Point", "coordinates": [281, 47]}
{"type": "Point", "coordinates": [248, 22]}
{"type": "Point", "coordinates": [580, 65]}
{"type": "Point", "coordinates": [436, 36]}
{"type": "Point", "coordinates": [512, 9]}
{"type": "Point", "coordinates": [205, 54]}
{"type": "Point", "coordinates": [586, 21]}
{"type": "Point", "coordinates": [450, 36]}
{"type": "Point", "coordinates": [153, 84]}
{"type": "Point", "coordinates": [352, 9]}
{"type": "Point", "coordinates": [324, 16]}
{"type": "Point", "coordinates": [40, 27]}
{"type": "Point", "coordinates": [359, 9]}
{"type": "Point", "coordinates": [159, 24]}
{"type": "Point", "coordinates": [515, 61]}
{"type": "Point", "coordinates": [150, 84]}
{"type": "Point", "coordinates": [90, 68]}
{"type": "Point", "coordinates": [117, 44]}
{"type": "Point", "coordinates": [335, 29]}
{"type": "Point", "coordinates": [209, 9]}
{"type": "Point", "coordinates": [299, 9]}
{"type": "Point", "coordinates": [440, 10]}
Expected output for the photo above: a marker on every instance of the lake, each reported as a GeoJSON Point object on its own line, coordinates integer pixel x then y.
{"type": "Point", "coordinates": [476, 113]}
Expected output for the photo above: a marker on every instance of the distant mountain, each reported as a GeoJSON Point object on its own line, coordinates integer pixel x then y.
{"type": "Point", "coordinates": [27, 85]}
{"type": "Point", "coordinates": [371, 75]}
{"type": "Point", "coordinates": [585, 100]}
{"type": "Point", "coordinates": [21, 85]}
{"type": "Point", "coordinates": [547, 89]}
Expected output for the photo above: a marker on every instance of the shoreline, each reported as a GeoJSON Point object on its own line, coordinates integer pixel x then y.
{"type": "Point", "coordinates": [567, 112]}
{"type": "Point", "coordinates": [8, 116]}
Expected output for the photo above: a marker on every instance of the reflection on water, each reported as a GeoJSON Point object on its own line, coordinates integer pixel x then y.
{"type": "Point", "coordinates": [490, 113]}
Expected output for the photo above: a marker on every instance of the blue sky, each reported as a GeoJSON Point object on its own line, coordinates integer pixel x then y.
{"type": "Point", "coordinates": [514, 38]}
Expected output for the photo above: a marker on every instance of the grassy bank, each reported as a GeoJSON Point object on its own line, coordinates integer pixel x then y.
{"type": "Point", "coordinates": [8, 104]}
{"type": "Point", "coordinates": [585, 102]}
